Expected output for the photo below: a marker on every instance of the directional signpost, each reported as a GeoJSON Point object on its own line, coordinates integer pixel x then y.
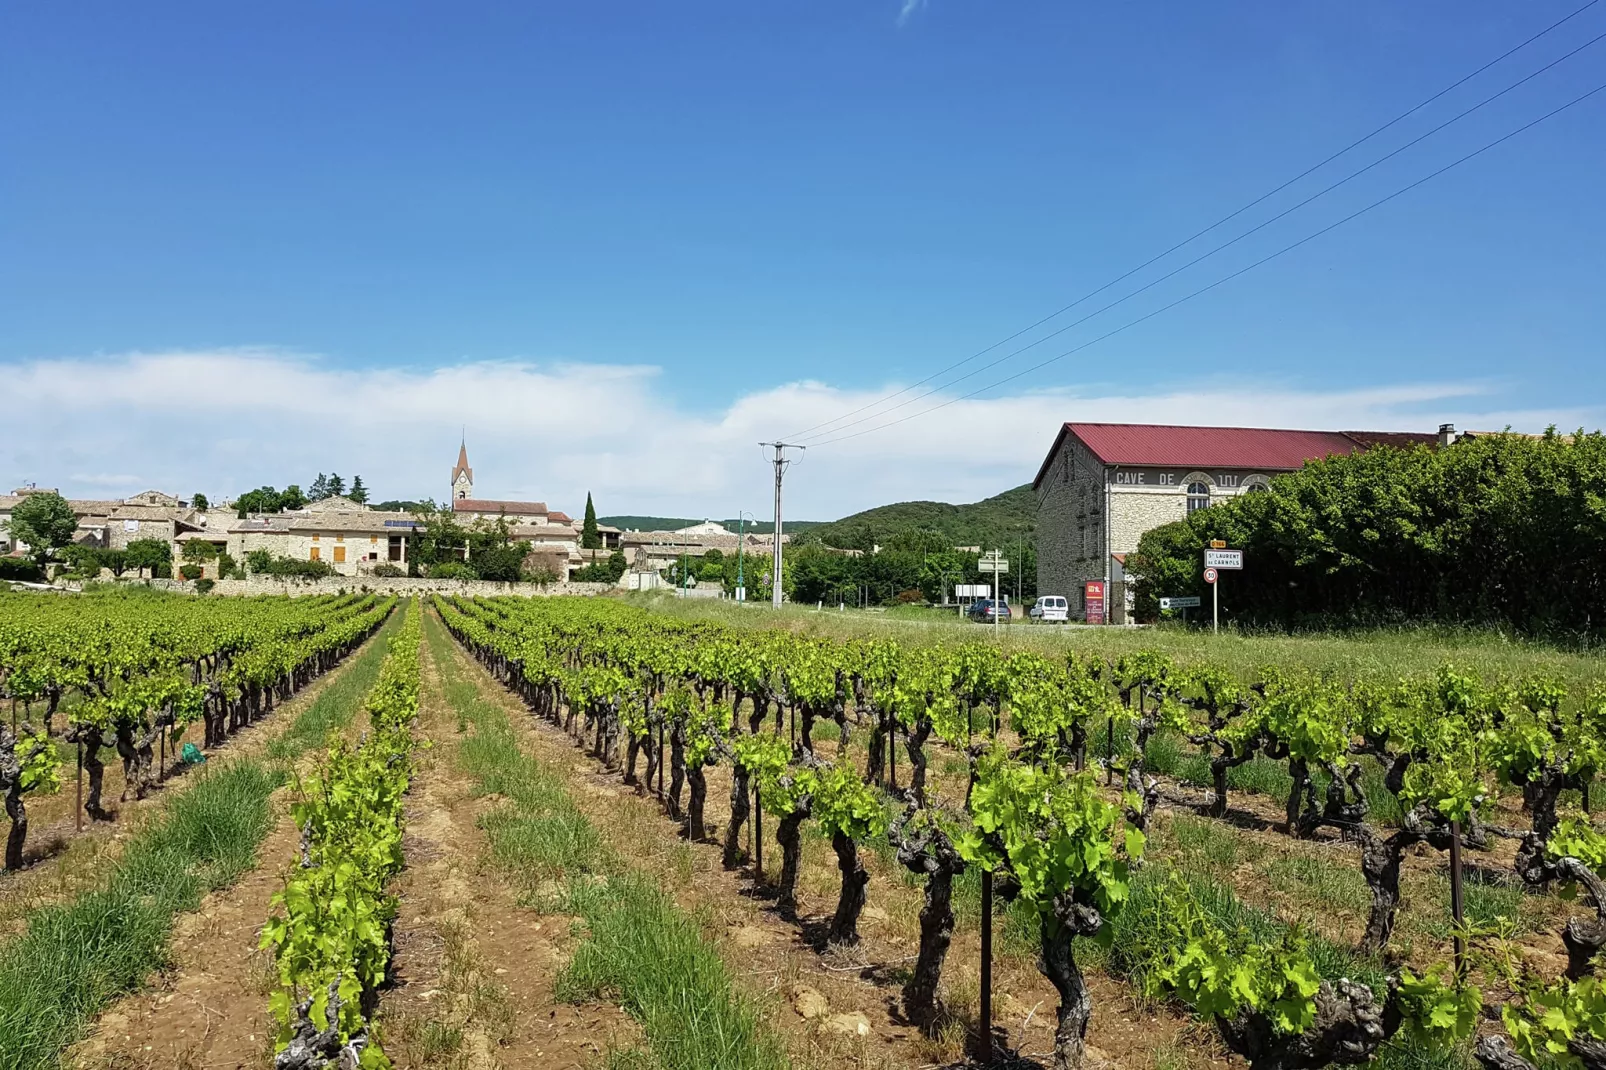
{"type": "Point", "coordinates": [1216, 558]}
{"type": "Point", "coordinates": [1183, 602]}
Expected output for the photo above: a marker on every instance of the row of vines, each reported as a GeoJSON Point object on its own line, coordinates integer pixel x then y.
{"type": "Point", "coordinates": [134, 674]}
{"type": "Point", "coordinates": [1058, 795]}
{"type": "Point", "coordinates": [330, 932]}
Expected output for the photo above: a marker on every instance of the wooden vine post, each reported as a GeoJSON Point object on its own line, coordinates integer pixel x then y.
{"type": "Point", "coordinates": [1457, 910]}
{"type": "Point", "coordinates": [985, 1050]}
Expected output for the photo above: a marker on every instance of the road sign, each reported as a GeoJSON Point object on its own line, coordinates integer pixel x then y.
{"type": "Point", "coordinates": [1190, 601]}
{"type": "Point", "coordinates": [1210, 575]}
{"type": "Point", "coordinates": [973, 590]}
{"type": "Point", "coordinates": [1217, 544]}
{"type": "Point", "coordinates": [993, 564]}
{"type": "Point", "coordinates": [1093, 597]}
{"type": "Point", "coordinates": [1224, 558]}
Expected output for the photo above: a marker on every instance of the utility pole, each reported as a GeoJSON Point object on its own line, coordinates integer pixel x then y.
{"type": "Point", "coordinates": [781, 464]}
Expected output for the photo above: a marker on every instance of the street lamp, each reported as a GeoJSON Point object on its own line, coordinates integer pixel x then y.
{"type": "Point", "coordinates": [741, 588]}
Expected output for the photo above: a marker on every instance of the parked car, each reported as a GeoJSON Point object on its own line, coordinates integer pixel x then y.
{"type": "Point", "coordinates": [1053, 608]}
{"type": "Point", "coordinates": [986, 609]}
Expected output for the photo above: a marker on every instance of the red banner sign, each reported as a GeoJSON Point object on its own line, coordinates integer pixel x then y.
{"type": "Point", "coordinates": [1093, 599]}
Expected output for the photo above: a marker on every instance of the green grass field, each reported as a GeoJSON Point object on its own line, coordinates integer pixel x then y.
{"type": "Point", "coordinates": [1393, 652]}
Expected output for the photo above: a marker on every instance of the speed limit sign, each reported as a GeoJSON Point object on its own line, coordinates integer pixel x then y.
{"type": "Point", "coordinates": [1210, 575]}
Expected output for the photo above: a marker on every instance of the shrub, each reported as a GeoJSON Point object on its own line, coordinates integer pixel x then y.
{"type": "Point", "coordinates": [452, 570]}
{"type": "Point", "coordinates": [204, 586]}
{"type": "Point", "coordinates": [20, 568]}
{"type": "Point", "coordinates": [389, 571]}
{"type": "Point", "coordinates": [190, 571]}
{"type": "Point", "coordinates": [266, 563]}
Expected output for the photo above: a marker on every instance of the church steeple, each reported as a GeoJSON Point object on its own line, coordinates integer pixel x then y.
{"type": "Point", "coordinates": [462, 474]}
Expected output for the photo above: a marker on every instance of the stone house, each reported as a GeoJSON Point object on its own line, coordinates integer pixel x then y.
{"type": "Point", "coordinates": [655, 550]}
{"type": "Point", "coordinates": [350, 537]}
{"type": "Point", "coordinates": [1103, 485]}
{"type": "Point", "coordinates": [113, 524]}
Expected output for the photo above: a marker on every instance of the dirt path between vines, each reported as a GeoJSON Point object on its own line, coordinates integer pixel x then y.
{"type": "Point", "coordinates": [473, 970]}
{"type": "Point", "coordinates": [851, 998]}
{"type": "Point", "coordinates": [62, 863]}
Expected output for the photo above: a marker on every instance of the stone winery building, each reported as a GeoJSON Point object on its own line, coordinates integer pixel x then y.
{"type": "Point", "coordinates": [1103, 485]}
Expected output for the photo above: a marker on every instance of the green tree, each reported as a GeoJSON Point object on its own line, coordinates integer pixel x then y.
{"type": "Point", "coordinates": [82, 560]}
{"type": "Point", "coordinates": [1499, 530]}
{"type": "Point", "coordinates": [336, 487]}
{"type": "Point", "coordinates": [320, 488]}
{"type": "Point", "coordinates": [358, 493]}
{"type": "Point", "coordinates": [590, 538]}
{"type": "Point", "coordinates": [153, 554]}
{"type": "Point", "coordinates": [262, 500]}
{"type": "Point", "coordinates": [45, 522]}
{"type": "Point", "coordinates": [201, 502]}
{"type": "Point", "coordinates": [292, 498]}
{"type": "Point", "coordinates": [200, 550]}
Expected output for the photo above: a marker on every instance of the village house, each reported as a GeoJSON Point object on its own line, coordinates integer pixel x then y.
{"type": "Point", "coordinates": [1103, 485]}
{"type": "Point", "coordinates": [113, 524]}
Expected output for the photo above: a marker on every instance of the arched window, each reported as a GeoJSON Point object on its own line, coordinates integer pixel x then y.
{"type": "Point", "coordinates": [1254, 488]}
{"type": "Point", "coordinates": [1198, 495]}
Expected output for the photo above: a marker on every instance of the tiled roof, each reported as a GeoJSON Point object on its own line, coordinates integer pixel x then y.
{"type": "Point", "coordinates": [493, 506]}
{"type": "Point", "coordinates": [668, 541]}
{"type": "Point", "coordinates": [1174, 446]}
{"type": "Point", "coordinates": [1399, 439]}
{"type": "Point", "coordinates": [369, 521]}
{"type": "Point", "coordinates": [558, 517]}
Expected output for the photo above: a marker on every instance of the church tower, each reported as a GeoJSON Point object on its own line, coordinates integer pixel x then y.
{"type": "Point", "coordinates": [462, 475]}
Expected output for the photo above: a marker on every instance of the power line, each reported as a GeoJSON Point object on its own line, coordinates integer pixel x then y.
{"type": "Point", "coordinates": [1201, 233]}
{"type": "Point", "coordinates": [1224, 245]}
{"type": "Point", "coordinates": [1228, 278]}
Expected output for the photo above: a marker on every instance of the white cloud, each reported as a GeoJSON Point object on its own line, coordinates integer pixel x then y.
{"type": "Point", "coordinates": [908, 10]}
{"type": "Point", "coordinates": [222, 422]}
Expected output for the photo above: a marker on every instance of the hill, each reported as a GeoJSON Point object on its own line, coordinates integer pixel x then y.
{"type": "Point", "coordinates": [672, 523]}
{"type": "Point", "coordinates": [996, 521]}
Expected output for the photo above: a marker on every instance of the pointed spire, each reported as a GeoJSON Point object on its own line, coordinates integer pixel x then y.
{"type": "Point", "coordinates": [462, 468]}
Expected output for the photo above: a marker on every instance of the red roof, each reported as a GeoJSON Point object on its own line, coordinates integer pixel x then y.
{"type": "Point", "coordinates": [1174, 446]}
{"type": "Point", "coordinates": [560, 517]}
{"type": "Point", "coordinates": [490, 505]}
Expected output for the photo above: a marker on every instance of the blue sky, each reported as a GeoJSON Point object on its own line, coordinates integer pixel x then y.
{"type": "Point", "coordinates": [751, 217]}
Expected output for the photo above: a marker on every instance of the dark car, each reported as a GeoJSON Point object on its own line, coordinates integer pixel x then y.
{"type": "Point", "coordinates": [986, 609]}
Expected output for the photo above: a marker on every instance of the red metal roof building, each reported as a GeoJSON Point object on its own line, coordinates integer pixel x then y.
{"type": "Point", "coordinates": [1103, 485]}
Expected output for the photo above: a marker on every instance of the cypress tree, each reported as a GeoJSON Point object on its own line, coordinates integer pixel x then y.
{"type": "Point", "coordinates": [589, 537]}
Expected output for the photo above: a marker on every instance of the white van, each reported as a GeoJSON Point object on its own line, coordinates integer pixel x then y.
{"type": "Point", "coordinates": [1051, 608]}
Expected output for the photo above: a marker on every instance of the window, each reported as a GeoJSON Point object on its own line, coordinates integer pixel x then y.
{"type": "Point", "coordinates": [315, 536]}
{"type": "Point", "coordinates": [312, 555]}
{"type": "Point", "coordinates": [1254, 487]}
{"type": "Point", "coordinates": [340, 555]}
{"type": "Point", "coordinates": [340, 538]}
{"type": "Point", "coordinates": [1198, 496]}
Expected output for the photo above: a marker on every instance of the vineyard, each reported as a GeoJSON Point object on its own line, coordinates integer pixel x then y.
{"type": "Point", "coordinates": [1051, 782]}
{"type": "Point", "coordinates": [134, 674]}
{"type": "Point", "coordinates": [1292, 865]}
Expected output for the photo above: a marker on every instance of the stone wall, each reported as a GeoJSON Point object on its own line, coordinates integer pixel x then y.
{"type": "Point", "coordinates": [254, 585]}
{"type": "Point", "coordinates": [1070, 523]}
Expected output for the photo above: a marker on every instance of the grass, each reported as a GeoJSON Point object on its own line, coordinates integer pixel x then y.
{"type": "Point", "coordinates": [640, 950]}
{"type": "Point", "coordinates": [1213, 842]}
{"type": "Point", "coordinates": [337, 703]}
{"type": "Point", "coordinates": [75, 958]}
{"type": "Point", "coordinates": [1385, 651]}
{"type": "Point", "coordinates": [1326, 883]}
